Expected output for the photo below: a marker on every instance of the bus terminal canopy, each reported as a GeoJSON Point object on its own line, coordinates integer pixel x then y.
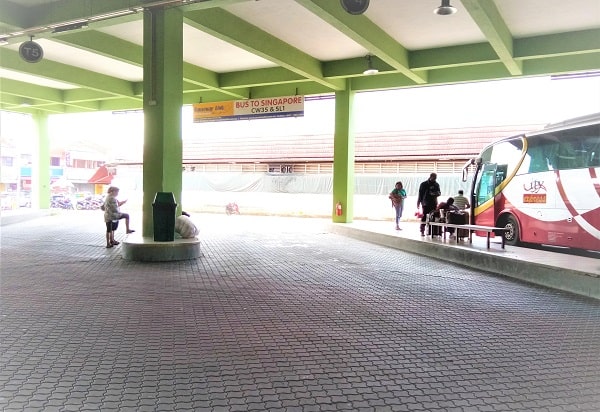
{"type": "Point", "coordinates": [68, 56]}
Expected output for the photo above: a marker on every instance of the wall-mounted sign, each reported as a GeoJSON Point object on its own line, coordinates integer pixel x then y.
{"type": "Point", "coordinates": [31, 52]}
{"type": "Point", "coordinates": [288, 106]}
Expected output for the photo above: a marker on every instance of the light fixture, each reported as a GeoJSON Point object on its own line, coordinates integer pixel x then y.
{"type": "Point", "coordinates": [445, 9]}
{"type": "Point", "coordinates": [370, 69]}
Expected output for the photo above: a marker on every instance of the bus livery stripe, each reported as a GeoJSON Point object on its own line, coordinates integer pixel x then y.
{"type": "Point", "coordinates": [563, 195]}
{"type": "Point", "coordinates": [594, 177]}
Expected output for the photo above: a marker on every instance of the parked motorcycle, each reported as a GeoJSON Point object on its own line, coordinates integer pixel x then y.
{"type": "Point", "coordinates": [61, 202]}
{"type": "Point", "coordinates": [89, 203]}
{"type": "Point", "coordinates": [232, 209]}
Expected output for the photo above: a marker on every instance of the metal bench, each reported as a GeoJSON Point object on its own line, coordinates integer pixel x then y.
{"type": "Point", "coordinates": [471, 229]}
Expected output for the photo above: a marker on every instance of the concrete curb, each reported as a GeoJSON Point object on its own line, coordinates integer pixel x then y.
{"type": "Point", "coordinates": [494, 260]}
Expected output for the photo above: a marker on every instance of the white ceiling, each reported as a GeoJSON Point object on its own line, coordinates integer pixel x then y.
{"type": "Point", "coordinates": [399, 27]}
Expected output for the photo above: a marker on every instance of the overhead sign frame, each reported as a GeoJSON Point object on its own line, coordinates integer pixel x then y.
{"type": "Point", "coordinates": [269, 107]}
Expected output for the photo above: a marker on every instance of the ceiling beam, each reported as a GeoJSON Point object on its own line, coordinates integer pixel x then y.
{"type": "Point", "coordinates": [85, 95]}
{"type": "Point", "coordinates": [573, 43]}
{"type": "Point", "coordinates": [259, 77]}
{"type": "Point", "coordinates": [17, 21]}
{"type": "Point", "coordinates": [65, 11]}
{"type": "Point", "coordinates": [563, 64]}
{"type": "Point", "coordinates": [27, 94]}
{"type": "Point", "coordinates": [12, 15]}
{"type": "Point", "coordinates": [367, 34]}
{"type": "Point", "coordinates": [67, 74]}
{"type": "Point", "coordinates": [500, 56]}
{"type": "Point", "coordinates": [487, 17]}
{"type": "Point", "coordinates": [30, 91]}
{"type": "Point", "coordinates": [231, 29]}
{"type": "Point", "coordinates": [32, 109]}
{"type": "Point", "coordinates": [453, 56]}
{"type": "Point", "coordinates": [103, 44]}
{"type": "Point", "coordinates": [130, 53]}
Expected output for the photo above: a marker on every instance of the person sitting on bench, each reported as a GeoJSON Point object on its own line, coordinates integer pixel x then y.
{"type": "Point", "coordinates": [445, 208]}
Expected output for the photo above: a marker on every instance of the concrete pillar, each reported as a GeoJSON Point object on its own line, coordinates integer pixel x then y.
{"type": "Point", "coordinates": [343, 156]}
{"type": "Point", "coordinates": [163, 101]}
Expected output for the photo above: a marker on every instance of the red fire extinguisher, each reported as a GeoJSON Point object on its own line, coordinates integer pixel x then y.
{"type": "Point", "coordinates": [338, 209]}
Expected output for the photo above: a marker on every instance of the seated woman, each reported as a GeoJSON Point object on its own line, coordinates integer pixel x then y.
{"type": "Point", "coordinates": [448, 205]}
{"type": "Point", "coordinates": [444, 209]}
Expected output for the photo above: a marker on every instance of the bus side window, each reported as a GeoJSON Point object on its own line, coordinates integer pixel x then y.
{"type": "Point", "coordinates": [551, 155]}
{"type": "Point", "coordinates": [542, 154]}
{"type": "Point", "coordinates": [581, 158]}
{"type": "Point", "coordinates": [538, 162]}
{"type": "Point", "coordinates": [566, 156]}
{"type": "Point", "coordinates": [592, 145]}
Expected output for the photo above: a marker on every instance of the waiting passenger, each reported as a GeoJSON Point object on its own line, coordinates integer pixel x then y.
{"type": "Point", "coordinates": [397, 196]}
{"type": "Point", "coordinates": [461, 201]}
{"type": "Point", "coordinates": [448, 206]}
{"type": "Point", "coordinates": [445, 209]}
{"type": "Point", "coordinates": [429, 190]}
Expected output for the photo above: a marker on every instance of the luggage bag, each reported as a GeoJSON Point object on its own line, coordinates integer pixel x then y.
{"type": "Point", "coordinates": [434, 230]}
{"type": "Point", "coordinates": [459, 219]}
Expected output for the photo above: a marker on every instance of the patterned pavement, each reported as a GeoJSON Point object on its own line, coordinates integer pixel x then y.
{"type": "Point", "coordinates": [279, 315]}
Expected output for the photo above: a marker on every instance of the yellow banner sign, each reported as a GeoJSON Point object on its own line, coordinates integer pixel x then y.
{"type": "Point", "coordinates": [288, 106]}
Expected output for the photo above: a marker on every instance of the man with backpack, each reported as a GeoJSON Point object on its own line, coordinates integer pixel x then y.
{"type": "Point", "coordinates": [429, 191]}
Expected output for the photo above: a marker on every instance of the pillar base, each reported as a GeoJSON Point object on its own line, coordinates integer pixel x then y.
{"type": "Point", "coordinates": [145, 249]}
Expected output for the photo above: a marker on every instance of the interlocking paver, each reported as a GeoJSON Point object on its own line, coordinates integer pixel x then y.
{"type": "Point", "coordinates": [279, 316]}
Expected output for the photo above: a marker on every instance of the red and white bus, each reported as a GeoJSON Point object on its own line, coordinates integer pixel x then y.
{"type": "Point", "coordinates": [543, 187]}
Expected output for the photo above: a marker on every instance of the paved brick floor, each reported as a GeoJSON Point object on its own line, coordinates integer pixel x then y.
{"type": "Point", "coordinates": [277, 315]}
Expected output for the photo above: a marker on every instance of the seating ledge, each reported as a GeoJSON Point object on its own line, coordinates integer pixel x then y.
{"type": "Point", "coordinates": [471, 229]}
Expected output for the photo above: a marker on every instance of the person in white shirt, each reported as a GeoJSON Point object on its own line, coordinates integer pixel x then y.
{"type": "Point", "coordinates": [463, 204]}
{"type": "Point", "coordinates": [461, 201]}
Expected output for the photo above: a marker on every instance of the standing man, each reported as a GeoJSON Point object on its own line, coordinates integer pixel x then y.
{"type": "Point", "coordinates": [429, 191]}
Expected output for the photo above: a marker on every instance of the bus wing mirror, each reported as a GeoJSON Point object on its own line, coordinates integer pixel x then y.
{"type": "Point", "coordinates": [465, 170]}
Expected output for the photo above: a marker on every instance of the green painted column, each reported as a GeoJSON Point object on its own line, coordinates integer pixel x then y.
{"type": "Point", "coordinates": [40, 168]}
{"type": "Point", "coordinates": [343, 156]}
{"type": "Point", "coordinates": [163, 101]}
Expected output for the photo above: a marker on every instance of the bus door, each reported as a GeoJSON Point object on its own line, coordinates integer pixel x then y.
{"type": "Point", "coordinates": [485, 186]}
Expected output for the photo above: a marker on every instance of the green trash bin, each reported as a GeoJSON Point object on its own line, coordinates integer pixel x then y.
{"type": "Point", "coordinates": [163, 216]}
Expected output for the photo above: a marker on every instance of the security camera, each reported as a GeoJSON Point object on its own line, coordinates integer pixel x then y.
{"type": "Point", "coordinates": [355, 6]}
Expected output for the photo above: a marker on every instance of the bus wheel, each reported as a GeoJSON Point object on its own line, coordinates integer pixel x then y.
{"type": "Point", "coordinates": [511, 235]}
